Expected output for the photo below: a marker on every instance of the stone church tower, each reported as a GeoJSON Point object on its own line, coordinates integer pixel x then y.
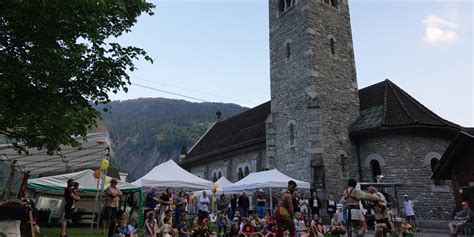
{"type": "Point", "coordinates": [313, 92]}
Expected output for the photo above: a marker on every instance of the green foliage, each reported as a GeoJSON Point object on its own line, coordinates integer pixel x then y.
{"type": "Point", "coordinates": [146, 132]}
{"type": "Point", "coordinates": [55, 58]}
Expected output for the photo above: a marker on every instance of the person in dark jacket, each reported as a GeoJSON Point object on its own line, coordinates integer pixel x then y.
{"type": "Point", "coordinates": [222, 203]}
{"type": "Point", "coordinates": [233, 206]}
{"type": "Point", "coordinates": [314, 204]}
{"type": "Point", "coordinates": [244, 204]}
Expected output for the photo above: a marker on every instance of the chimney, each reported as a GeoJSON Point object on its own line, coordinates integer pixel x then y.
{"type": "Point", "coordinates": [218, 116]}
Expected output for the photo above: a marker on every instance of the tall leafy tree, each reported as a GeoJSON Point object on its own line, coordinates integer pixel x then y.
{"type": "Point", "coordinates": [58, 57]}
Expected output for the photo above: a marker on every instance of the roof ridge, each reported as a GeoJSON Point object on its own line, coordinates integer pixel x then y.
{"type": "Point", "coordinates": [425, 110]}
{"type": "Point", "coordinates": [401, 102]}
{"type": "Point", "coordinates": [207, 131]}
{"type": "Point", "coordinates": [384, 113]}
{"type": "Point", "coordinates": [243, 113]}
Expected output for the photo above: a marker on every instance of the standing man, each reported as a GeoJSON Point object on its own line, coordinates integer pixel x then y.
{"type": "Point", "coordinates": [410, 212]}
{"type": "Point", "coordinates": [284, 212]}
{"type": "Point", "coordinates": [382, 223]}
{"type": "Point", "coordinates": [204, 205]}
{"type": "Point", "coordinates": [69, 198]}
{"type": "Point", "coordinates": [315, 204]}
{"type": "Point", "coordinates": [233, 206]}
{"type": "Point", "coordinates": [165, 202]}
{"type": "Point", "coordinates": [112, 199]}
{"type": "Point", "coordinates": [151, 200]}
{"type": "Point", "coordinates": [244, 204]}
{"type": "Point", "coordinates": [261, 203]}
{"type": "Point", "coordinates": [352, 197]}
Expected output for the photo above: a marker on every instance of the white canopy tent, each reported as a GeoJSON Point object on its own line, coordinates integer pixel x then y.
{"type": "Point", "coordinates": [265, 179]}
{"type": "Point", "coordinates": [91, 151]}
{"type": "Point", "coordinates": [221, 183]}
{"type": "Point", "coordinates": [170, 174]}
{"type": "Point", "coordinates": [87, 182]}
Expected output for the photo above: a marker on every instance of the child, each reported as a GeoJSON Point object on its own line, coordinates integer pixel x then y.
{"type": "Point", "coordinates": [407, 229]}
{"type": "Point", "coordinates": [122, 229]}
{"type": "Point", "coordinates": [200, 227]}
{"type": "Point", "coordinates": [268, 217]}
{"type": "Point", "coordinates": [234, 228]}
{"type": "Point", "coordinates": [300, 227]}
{"type": "Point", "coordinates": [151, 225]}
{"type": "Point", "coordinates": [315, 227]}
{"type": "Point", "coordinates": [336, 226]}
{"type": "Point", "coordinates": [222, 222]}
{"type": "Point", "coordinates": [263, 229]}
{"type": "Point", "coordinates": [165, 228]}
{"type": "Point", "coordinates": [133, 226]}
{"type": "Point", "coordinates": [182, 230]}
{"type": "Point", "coordinates": [247, 229]}
{"type": "Point", "coordinates": [75, 191]}
{"type": "Point", "coordinates": [320, 226]}
{"type": "Point", "coordinates": [237, 214]}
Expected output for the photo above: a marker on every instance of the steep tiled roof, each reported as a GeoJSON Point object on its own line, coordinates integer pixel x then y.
{"type": "Point", "coordinates": [386, 106]}
{"type": "Point", "coordinates": [244, 129]}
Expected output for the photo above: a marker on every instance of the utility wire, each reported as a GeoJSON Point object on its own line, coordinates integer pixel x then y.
{"type": "Point", "coordinates": [198, 99]}
{"type": "Point", "coordinates": [169, 92]}
{"type": "Point", "coordinates": [193, 90]}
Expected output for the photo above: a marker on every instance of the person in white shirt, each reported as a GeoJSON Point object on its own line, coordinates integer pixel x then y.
{"type": "Point", "coordinates": [410, 212]}
{"type": "Point", "coordinates": [204, 204]}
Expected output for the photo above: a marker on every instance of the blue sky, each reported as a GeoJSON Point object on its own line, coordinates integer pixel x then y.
{"type": "Point", "coordinates": [218, 51]}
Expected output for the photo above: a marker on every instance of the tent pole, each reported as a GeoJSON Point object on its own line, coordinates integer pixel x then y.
{"type": "Point", "coordinates": [271, 201]}
{"type": "Point", "coordinates": [140, 207]}
{"type": "Point", "coordinates": [95, 205]}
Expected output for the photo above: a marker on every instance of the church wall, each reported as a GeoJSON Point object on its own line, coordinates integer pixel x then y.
{"type": "Point", "coordinates": [406, 159]}
{"type": "Point", "coordinates": [230, 164]}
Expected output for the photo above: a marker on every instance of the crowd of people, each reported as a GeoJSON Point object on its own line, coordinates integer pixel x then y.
{"type": "Point", "coordinates": [294, 214]}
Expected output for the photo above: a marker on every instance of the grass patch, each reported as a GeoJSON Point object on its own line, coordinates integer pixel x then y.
{"type": "Point", "coordinates": [71, 232]}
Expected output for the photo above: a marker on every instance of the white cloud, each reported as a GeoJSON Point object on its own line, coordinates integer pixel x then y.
{"type": "Point", "coordinates": [439, 30]}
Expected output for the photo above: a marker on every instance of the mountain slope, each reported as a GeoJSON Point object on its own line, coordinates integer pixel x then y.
{"type": "Point", "coordinates": [148, 131]}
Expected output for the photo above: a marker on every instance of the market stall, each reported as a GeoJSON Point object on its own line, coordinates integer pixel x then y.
{"type": "Point", "coordinates": [170, 174]}
{"type": "Point", "coordinates": [265, 179]}
{"type": "Point", "coordinates": [90, 183]}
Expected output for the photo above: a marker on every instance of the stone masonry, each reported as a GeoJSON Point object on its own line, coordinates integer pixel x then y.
{"type": "Point", "coordinates": [229, 165]}
{"type": "Point", "coordinates": [406, 159]}
{"type": "Point", "coordinates": [313, 91]}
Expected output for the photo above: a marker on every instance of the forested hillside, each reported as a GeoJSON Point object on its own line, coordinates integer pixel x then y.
{"type": "Point", "coordinates": [148, 131]}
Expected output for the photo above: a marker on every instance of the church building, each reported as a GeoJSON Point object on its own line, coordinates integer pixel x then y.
{"type": "Point", "coordinates": [320, 128]}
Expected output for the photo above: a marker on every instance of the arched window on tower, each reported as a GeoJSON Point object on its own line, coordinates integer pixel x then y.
{"type": "Point", "coordinates": [214, 177]}
{"type": "Point", "coordinates": [281, 5]}
{"type": "Point", "coordinates": [240, 174]}
{"type": "Point", "coordinates": [246, 171]}
{"type": "Point", "coordinates": [375, 169]}
{"type": "Point", "coordinates": [332, 44]}
{"type": "Point", "coordinates": [284, 5]}
{"type": "Point", "coordinates": [332, 3]}
{"type": "Point", "coordinates": [291, 130]}
{"type": "Point", "coordinates": [219, 175]}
